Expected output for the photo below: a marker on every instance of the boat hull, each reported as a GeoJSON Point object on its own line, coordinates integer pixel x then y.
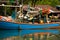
{"type": "Point", "coordinates": [10, 25]}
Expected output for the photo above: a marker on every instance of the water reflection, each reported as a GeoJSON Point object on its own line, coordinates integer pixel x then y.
{"type": "Point", "coordinates": [8, 33]}
{"type": "Point", "coordinates": [22, 33]}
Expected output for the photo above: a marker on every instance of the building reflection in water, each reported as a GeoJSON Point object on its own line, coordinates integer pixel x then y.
{"type": "Point", "coordinates": [27, 34]}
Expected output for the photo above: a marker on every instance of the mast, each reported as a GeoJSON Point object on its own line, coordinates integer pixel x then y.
{"type": "Point", "coordinates": [22, 6]}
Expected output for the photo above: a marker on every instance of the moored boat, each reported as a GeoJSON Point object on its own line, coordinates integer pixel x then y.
{"type": "Point", "coordinates": [30, 15]}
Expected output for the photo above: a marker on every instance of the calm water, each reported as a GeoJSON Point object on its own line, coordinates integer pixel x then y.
{"type": "Point", "coordinates": [21, 33]}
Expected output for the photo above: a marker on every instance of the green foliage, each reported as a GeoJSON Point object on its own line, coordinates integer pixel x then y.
{"type": "Point", "coordinates": [43, 2]}
{"type": "Point", "coordinates": [9, 11]}
{"type": "Point", "coordinates": [34, 2]}
{"type": "Point", "coordinates": [39, 2]}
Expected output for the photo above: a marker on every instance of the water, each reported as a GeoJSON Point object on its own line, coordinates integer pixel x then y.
{"type": "Point", "coordinates": [21, 34]}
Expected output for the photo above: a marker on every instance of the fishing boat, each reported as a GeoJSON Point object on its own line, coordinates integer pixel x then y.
{"type": "Point", "coordinates": [12, 25]}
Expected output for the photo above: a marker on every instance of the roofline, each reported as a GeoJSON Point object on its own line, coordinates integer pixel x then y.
{"type": "Point", "coordinates": [8, 6]}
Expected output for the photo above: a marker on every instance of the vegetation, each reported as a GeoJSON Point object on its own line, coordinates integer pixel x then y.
{"type": "Point", "coordinates": [43, 2]}
{"type": "Point", "coordinates": [32, 3]}
{"type": "Point", "coordinates": [37, 2]}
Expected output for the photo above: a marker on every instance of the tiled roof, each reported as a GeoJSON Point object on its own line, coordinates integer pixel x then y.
{"type": "Point", "coordinates": [47, 6]}
{"type": "Point", "coordinates": [43, 6]}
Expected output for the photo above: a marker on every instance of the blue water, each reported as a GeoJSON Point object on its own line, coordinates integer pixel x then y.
{"type": "Point", "coordinates": [10, 33]}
